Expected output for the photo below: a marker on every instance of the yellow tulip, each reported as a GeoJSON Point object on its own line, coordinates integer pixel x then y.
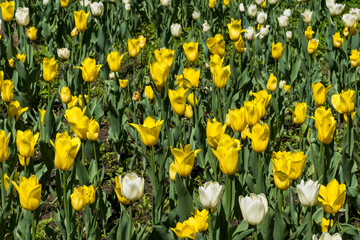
{"type": "Point", "coordinates": [227, 152]}
{"type": "Point", "coordinates": [89, 194]}
{"type": "Point", "coordinates": [325, 224]}
{"type": "Point", "coordinates": [337, 40]}
{"type": "Point", "coordinates": [312, 46]}
{"type": "Point", "coordinates": [172, 171]}
{"type": "Point", "coordinates": [240, 45]}
{"type": "Point", "coordinates": [29, 191]}
{"type": "Point", "coordinates": [352, 30]}
{"type": "Point", "coordinates": [78, 121]}
{"type": "Point", "coordinates": [159, 73]}
{"type": "Point", "coordinates": [191, 98]}
{"type": "Point", "coordinates": [252, 113]}
{"type": "Point", "coordinates": [309, 33]}
{"type": "Point", "coordinates": [32, 33]}
{"type": "Point", "coordinates": [93, 130]}
{"type": "Point", "coordinates": [260, 103]}
{"type": "Point", "coordinates": [320, 113]}
{"type": "Point", "coordinates": [165, 55]}
{"type": "Point", "coordinates": [344, 102]}
{"type": "Point", "coordinates": [74, 32]}
{"type": "Point", "coordinates": [215, 60]}
{"type": "Point", "coordinates": [352, 116]}
{"type": "Point", "coordinates": [16, 110]}
{"type": "Point", "coordinates": [25, 142]}
{"type": "Point", "coordinates": [221, 76]}
{"type": "Point", "coordinates": [212, 3]}
{"type": "Point", "coordinates": [123, 83]}
{"type": "Point", "coordinates": [66, 149]}
{"type": "Point", "coordinates": [184, 159]}
{"type": "Point", "coordinates": [191, 50]}
{"type": "Point", "coordinates": [262, 95]}
{"type": "Point", "coordinates": [50, 68]}
{"type": "Point", "coordinates": [65, 95]}
{"type": "Point", "coordinates": [190, 78]}
{"type": "Point", "coordinates": [133, 47]}
{"type": "Point", "coordinates": [226, 2]}
{"type": "Point", "coordinates": [189, 111]}
{"type": "Point", "coordinates": [272, 83]}
{"type": "Point", "coordinates": [281, 169]}
{"type": "Point", "coordinates": [21, 57]}
{"type": "Point", "coordinates": [298, 160]}
{"type": "Point", "coordinates": [346, 31]}
{"type": "Point", "coordinates": [114, 61]}
{"type": "Point", "coordinates": [178, 100]}
{"type": "Point", "coordinates": [299, 114]}
{"type": "Point", "coordinates": [142, 40]}
{"type": "Point", "coordinates": [7, 91]}
{"type": "Point", "coordinates": [78, 198]}
{"type": "Point", "coordinates": [7, 10]}
{"type": "Point", "coordinates": [89, 69]}
{"type": "Point", "coordinates": [42, 114]}
{"type": "Point", "coordinates": [149, 131]}
{"type": "Point", "coordinates": [64, 3]}
{"type": "Point", "coordinates": [136, 96]}
{"type": "Point", "coordinates": [11, 62]}
{"type": "Point", "coordinates": [276, 50]}
{"type": "Point", "coordinates": [234, 29]}
{"type": "Point", "coordinates": [227, 120]}
{"type": "Point", "coordinates": [355, 58]}
{"type": "Point", "coordinates": [325, 125]}
{"type": "Point", "coordinates": [7, 181]}
{"type": "Point", "coordinates": [214, 131]}
{"type": "Point", "coordinates": [259, 137]}
{"type": "Point", "coordinates": [81, 20]}
{"type": "Point", "coordinates": [332, 197]}
{"type": "Point", "coordinates": [216, 45]}
{"type": "Point", "coordinates": [23, 160]}
{"type": "Point", "coordinates": [201, 220]}
{"type": "Point", "coordinates": [4, 146]}
{"type": "Point", "coordinates": [149, 93]}
{"type": "Point", "coordinates": [238, 119]}
{"type": "Point", "coordinates": [186, 229]}
{"type": "Point", "coordinates": [120, 197]}
{"type": "Point", "coordinates": [320, 93]}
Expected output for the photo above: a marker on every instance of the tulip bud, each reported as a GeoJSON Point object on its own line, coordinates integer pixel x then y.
{"type": "Point", "coordinates": [22, 16]}
{"type": "Point", "coordinates": [111, 75]}
{"type": "Point", "coordinates": [172, 171]}
{"type": "Point", "coordinates": [253, 208]}
{"type": "Point", "coordinates": [93, 130]}
{"type": "Point", "coordinates": [283, 21]}
{"type": "Point", "coordinates": [165, 3]}
{"type": "Point", "coordinates": [212, 3]}
{"type": "Point", "coordinates": [355, 58]}
{"type": "Point", "coordinates": [252, 10]}
{"type": "Point", "coordinates": [191, 50]}
{"type": "Point", "coordinates": [312, 46]}
{"type": "Point", "coordinates": [132, 186]}
{"type": "Point", "coordinates": [308, 192]}
{"type": "Point", "coordinates": [21, 57]}
{"type": "Point", "coordinates": [16, 110]}
{"type": "Point", "coordinates": [64, 3]}
{"type": "Point", "coordinates": [307, 16]}
{"type": "Point", "coordinates": [176, 29]}
{"type": "Point", "coordinates": [4, 148]}
{"type": "Point", "coordinates": [136, 96]}
{"type": "Point", "coordinates": [261, 18]}
{"type": "Point", "coordinates": [45, 2]}
{"type": "Point", "coordinates": [78, 198]}
{"type": "Point", "coordinates": [74, 32]}
{"type": "Point", "coordinates": [123, 83]}
{"type": "Point", "coordinates": [97, 8]}
{"type": "Point", "coordinates": [50, 68]}
{"type": "Point", "coordinates": [127, 7]}
{"type": "Point", "coordinates": [272, 83]}
{"type": "Point", "coordinates": [65, 95]}
{"type": "Point", "coordinates": [11, 62]}
{"type": "Point", "coordinates": [178, 100]}
{"type": "Point", "coordinates": [7, 91]}
{"type": "Point", "coordinates": [241, 7]}
{"type": "Point", "coordinates": [195, 15]}
{"type": "Point", "coordinates": [250, 33]}
{"type": "Point", "coordinates": [189, 111]}
{"type": "Point", "coordinates": [287, 12]}
{"type": "Point", "coordinates": [206, 27]}
{"type": "Point", "coordinates": [289, 34]}
{"type": "Point", "coordinates": [142, 41]}
{"type": "Point", "coordinates": [63, 53]}
{"type": "Point", "coordinates": [299, 114]}
{"type": "Point", "coordinates": [149, 93]}
{"type": "Point", "coordinates": [210, 195]}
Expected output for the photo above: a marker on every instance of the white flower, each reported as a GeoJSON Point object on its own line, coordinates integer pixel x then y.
{"type": "Point", "coordinates": [195, 15]}
{"type": "Point", "coordinates": [111, 75]}
{"type": "Point", "coordinates": [63, 53]}
{"type": "Point", "coordinates": [45, 2]}
{"type": "Point", "coordinates": [176, 29]}
{"type": "Point", "coordinates": [127, 7]}
{"type": "Point", "coordinates": [289, 34]}
{"type": "Point", "coordinates": [336, 9]}
{"type": "Point", "coordinates": [283, 21]}
{"type": "Point", "coordinates": [22, 16]}
{"type": "Point", "coordinates": [250, 33]}
{"type": "Point", "coordinates": [261, 18]}
{"type": "Point", "coordinates": [254, 208]}
{"type": "Point", "coordinates": [97, 8]}
{"type": "Point", "coordinates": [307, 16]}
{"type": "Point", "coordinates": [241, 7]}
{"type": "Point", "coordinates": [132, 186]}
{"type": "Point", "coordinates": [84, 3]}
{"type": "Point", "coordinates": [206, 27]}
{"type": "Point", "coordinates": [126, 1]}
{"type": "Point", "coordinates": [308, 192]}
{"type": "Point", "coordinates": [287, 12]}
{"type": "Point", "coordinates": [210, 194]}
{"type": "Point", "coordinates": [165, 3]}
{"type": "Point", "coordinates": [252, 11]}
{"type": "Point", "coordinates": [264, 31]}
{"type": "Point", "coordinates": [348, 20]}
{"type": "Point", "coordinates": [355, 12]}
{"type": "Point", "coordinates": [327, 236]}
{"type": "Point", "coordinates": [329, 2]}
{"type": "Point", "coordinates": [272, 2]}
{"type": "Point", "coordinates": [281, 84]}
{"type": "Point", "coordinates": [259, 2]}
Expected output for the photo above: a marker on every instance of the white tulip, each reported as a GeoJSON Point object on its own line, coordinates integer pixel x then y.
{"type": "Point", "coordinates": [22, 16]}
{"type": "Point", "coordinates": [206, 27]}
{"type": "Point", "coordinates": [127, 7]}
{"type": "Point", "coordinates": [307, 16]}
{"type": "Point", "coordinates": [287, 12]}
{"type": "Point", "coordinates": [327, 236]}
{"type": "Point", "coordinates": [195, 15]}
{"type": "Point", "coordinates": [126, 1]}
{"type": "Point", "coordinates": [250, 33]}
{"type": "Point", "coordinates": [166, 3]}
{"type": "Point", "coordinates": [283, 21]}
{"type": "Point", "coordinates": [336, 9]}
{"type": "Point", "coordinates": [132, 186]}
{"type": "Point", "coordinates": [112, 0]}
{"type": "Point", "coordinates": [272, 2]}
{"type": "Point", "coordinates": [176, 29]}
{"type": "Point", "coordinates": [252, 11]}
{"type": "Point", "coordinates": [355, 12]}
{"type": "Point", "coordinates": [210, 194]}
{"type": "Point", "coordinates": [259, 2]}
{"type": "Point", "coordinates": [45, 2]}
{"type": "Point", "coordinates": [84, 3]}
{"type": "Point", "coordinates": [264, 31]}
{"type": "Point", "coordinates": [254, 208]}
{"type": "Point", "coordinates": [281, 84]}
{"type": "Point", "coordinates": [241, 7]}
{"type": "Point", "coordinates": [97, 8]}
{"type": "Point", "coordinates": [329, 2]}
{"type": "Point", "coordinates": [63, 53]}
{"type": "Point", "coordinates": [111, 75]}
{"type": "Point", "coordinates": [261, 18]}
{"type": "Point", "coordinates": [289, 34]}
{"type": "Point", "coordinates": [308, 192]}
{"type": "Point", "coordinates": [348, 20]}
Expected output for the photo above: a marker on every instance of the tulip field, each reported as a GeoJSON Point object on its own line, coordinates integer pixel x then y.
{"type": "Point", "coordinates": [174, 119]}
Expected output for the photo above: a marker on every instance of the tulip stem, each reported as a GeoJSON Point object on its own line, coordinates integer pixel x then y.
{"type": "Point", "coordinates": [65, 205]}
{"type": "Point", "coordinates": [79, 225]}
{"type": "Point", "coordinates": [2, 185]}
{"type": "Point", "coordinates": [25, 167]}
{"type": "Point", "coordinates": [219, 107]}
{"type": "Point", "coordinates": [180, 130]}
{"type": "Point", "coordinates": [211, 231]}
{"type": "Point", "coordinates": [255, 236]}
{"type": "Point", "coordinates": [33, 227]}
{"type": "Point", "coordinates": [9, 32]}
{"type": "Point", "coordinates": [280, 200]}
{"type": "Point", "coordinates": [80, 43]}
{"type": "Point", "coordinates": [228, 197]}
{"type": "Point", "coordinates": [195, 108]}
{"type": "Point", "coordinates": [88, 95]}
{"type": "Point", "coordinates": [310, 219]}
{"type": "Point", "coordinates": [83, 152]}
{"type": "Point", "coordinates": [130, 222]}
{"type": "Point", "coordinates": [322, 150]}
{"type": "Point", "coordinates": [48, 96]}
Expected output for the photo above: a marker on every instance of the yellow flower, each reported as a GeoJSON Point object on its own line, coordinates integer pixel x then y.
{"type": "Point", "coordinates": [89, 194]}
{"type": "Point", "coordinates": [238, 119]}
{"type": "Point", "coordinates": [276, 50]}
{"type": "Point", "coordinates": [191, 50]}
{"type": "Point", "coordinates": [50, 68]}
{"type": "Point", "coordinates": [325, 224]}
{"type": "Point", "coordinates": [149, 93]}
{"type": "Point", "coordinates": [216, 45]}
{"type": "Point", "coordinates": [114, 61]}
{"type": "Point", "coordinates": [142, 40]}
{"type": "Point", "coordinates": [64, 3]}
{"type": "Point", "coordinates": [78, 198]}
{"type": "Point", "coordinates": [344, 102]}
{"type": "Point", "coordinates": [337, 40]}
{"type": "Point", "coordinates": [32, 33]}
{"type": "Point", "coordinates": [81, 20]}
{"type": "Point", "coordinates": [74, 32]}
{"type": "Point", "coordinates": [159, 73]}
{"type": "Point", "coordinates": [123, 83]}
{"type": "Point", "coordinates": [252, 113]}
{"type": "Point", "coordinates": [11, 62]}
{"type": "Point", "coordinates": [234, 29]}
{"type": "Point", "coordinates": [214, 131]}
{"type": "Point", "coordinates": [184, 159]}
{"type": "Point", "coordinates": [23, 160]}
{"type": "Point", "coordinates": [212, 3]}
{"type": "Point", "coordinates": [191, 78]}
{"type": "Point", "coordinates": [172, 171]}
{"type": "Point", "coordinates": [355, 58]}
{"type": "Point", "coordinates": [149, 131]}
{"type": "Point", "coordinates": [240, 45]}
{"type": "Point", "coordinates": [221, 76]}
{"type": "Point", "coordinates": [191, 98]}
{"type": "Point", "coordinates": [29, 191]}
{"type": "Point", "coordinates": [346, 31]}
{"type": "Point", "coordinates": [78, 121]}
{"type": "Point", "coordinates": [178, 100]}
{"type": "Point", "coordinates": [227, 152]}
{"type": "Point", "coordinates": [186, 229]}
{"type": "Point", "coordinates": [189, 111]}
{"type": "Point", "coordinates": [133, 47]}
{"type": "Point", "coordinates": [272, 83]}
{"type": "Point", "coordinates": [25, 142]}
{"type": "Point", "coordinates": [312, 46]}
{"type": "Point", "coordinates": [325, 125]}
{"type": "Point", "coordinates": [352, 30]}
{"type": "Point", "coordinates": [89, 69]}
{"type": "Point", "coordinates": [7, 91]}
{"type": "Point", "coordinates": [262, 95]}
{"type": "Point", "coordinates": [298, 160]}
{"type": "Point", "coordinates": [281, 169]}
{"type": "Point", "coordinates": [215, 60]}
{"type": "Point", "coordinates": [66, 150]}
{"type": "Point", "coordinates": [309, 33]}
{"type": "Point", "coordinates": [4, 147]}
{"type": "Point", "coordinates": [65, 95]}
{"type": "Point", "coordinates": [120, 197]}
{"type": "Point", "coordinates": [259, 137]}
{"type": "Point", "coordinates": [352, 116]}
{"type": "Point", "coordinates": [320, 93]}
{"type": "Point", "coordinates": [21, 57]}
{"type": "Point", "coordinates": [1, 79]}
{"type": "Point", "coordinates": [7, 180]}
{"type": "Point", "coordinates": [165, 55]}
{"type": "Point", "coordinates": [201, 220]}
{"type": "Point", "coordinates": [77, 101]}
{"type": "Point", "coordinates": [299, 114]}
{"type": "Point", "coordinates": [16, 110]}
{"type": "Point", "coordinates": [226, 2]}
{"type": "Point", "coordinates": [93, 130]}
{"type": "Point", "coordinates": [332, 197]}
{"type": "Point", "coordinates": [7, 10]}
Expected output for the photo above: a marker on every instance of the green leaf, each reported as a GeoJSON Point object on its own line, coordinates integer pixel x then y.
{"type": "Point", "coordinates": [185, 205]}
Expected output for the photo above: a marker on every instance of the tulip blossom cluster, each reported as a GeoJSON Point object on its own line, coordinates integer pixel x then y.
{"type": "Point", "coordinates": [193, 225]}
{"type": "Point", "coordinates": [82, 196]}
